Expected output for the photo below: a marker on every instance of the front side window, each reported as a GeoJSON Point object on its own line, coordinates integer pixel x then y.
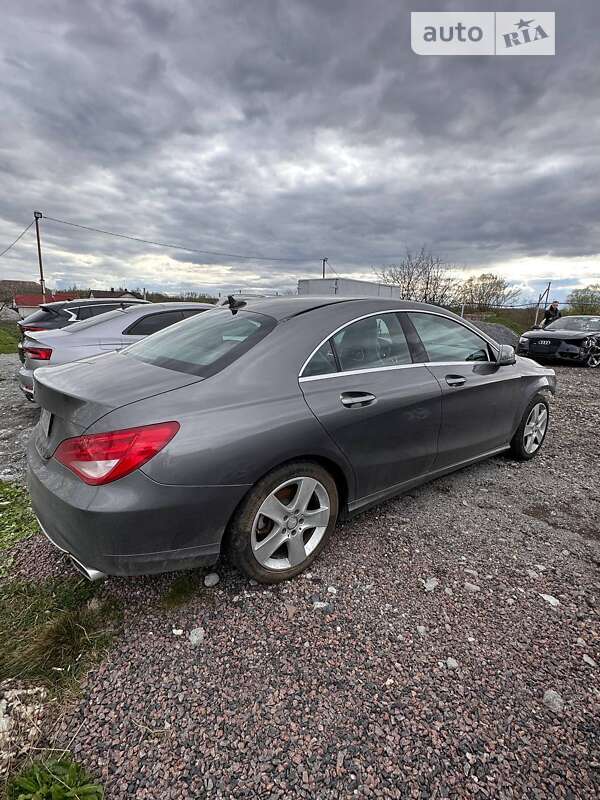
{"type": "Point", "coordinates": [446, 340]}
{"type": "Point", "coordinates": [376, 341]}
{"type": "Point", "coordinates": [203, 344]}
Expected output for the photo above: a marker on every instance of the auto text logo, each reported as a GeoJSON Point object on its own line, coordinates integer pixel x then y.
{"type": "Point", "coordinates": [483, 33]}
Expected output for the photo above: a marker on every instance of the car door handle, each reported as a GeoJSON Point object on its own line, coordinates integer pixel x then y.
{"type": "Point", "coordinates": [357, 399]}
{"type": "Point", "coordinates": [455, 380]}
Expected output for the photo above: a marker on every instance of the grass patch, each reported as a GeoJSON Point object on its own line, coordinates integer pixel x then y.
{"type": "Point", "coordinates": [61, 779]}
{"type": "Point", "coordinates": [184, 588]}
{"type": "Point", "coordinates": [514, 325]}
{"type": "Point", "coordinates": [17, 520]}
{"type": "Point", "coordinates": [51, 632]}
{"type": "Point", "coordinates": [9, 337]}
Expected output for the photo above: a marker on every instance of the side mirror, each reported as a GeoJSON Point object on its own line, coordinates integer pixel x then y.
{"type": "Point", "coordinates": [506, 356]}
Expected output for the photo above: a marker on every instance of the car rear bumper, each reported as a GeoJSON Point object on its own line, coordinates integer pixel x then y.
{"type": "Point", "coordinates": [25, 378]}
{"type": "Point", "coordinates": [133, 526]}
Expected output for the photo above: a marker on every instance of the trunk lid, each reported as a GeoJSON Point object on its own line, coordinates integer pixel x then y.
{"type": "Point", "coordinates": [76, 395]}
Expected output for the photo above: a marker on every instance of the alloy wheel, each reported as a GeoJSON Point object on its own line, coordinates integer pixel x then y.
{"type": "Point", "coordinates": [290, 523]}
{"type": "Point", "coordinates": [594, 359]}
{"type": "Point", "coordinates": [535, 428]}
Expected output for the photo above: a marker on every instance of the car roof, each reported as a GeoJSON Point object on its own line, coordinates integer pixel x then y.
{"type": "Point", "coordinates": [175, 304]}
{"type": "Point", "coordinates": [285, 307]}
{"type": "Point", "coordinates": [101, 301]}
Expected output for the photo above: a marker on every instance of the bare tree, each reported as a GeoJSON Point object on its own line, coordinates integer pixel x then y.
{"type": "Point", "coordinates": [486, 291]}
{"type": "Point", "coordinates": [422, 277]}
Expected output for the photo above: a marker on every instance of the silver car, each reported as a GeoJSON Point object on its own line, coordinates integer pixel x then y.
{"type": "Point", "coordinates": [251, 428]}
{"type": "Point", "coordinates": [100, 334]}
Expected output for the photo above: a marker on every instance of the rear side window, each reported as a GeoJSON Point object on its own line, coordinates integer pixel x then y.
{"type": "Point", "coordinates": [87, 312]}
{"type": "Point", "coordinates": [104, 308]}
{"type": "Point", "coordinates": [376, 341]}
{"type": "Point", "coordinates": [322, 362]}
{"type": "Point", "coordinates": [191, 312]}
{"type": "Point", "coordinates": [446, 340]}
{"type": "Point", "coordinates": [153, 323]}
{"type": "Point", "coordinates": [84, 312]}
{"type": "Point", "coordinates": [205, 343]}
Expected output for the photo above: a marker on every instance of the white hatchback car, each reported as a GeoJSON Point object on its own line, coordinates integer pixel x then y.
{"type": "Point", "coordinates": [102, 334]}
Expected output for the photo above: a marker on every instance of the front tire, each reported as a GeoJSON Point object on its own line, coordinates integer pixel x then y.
{"type": "Point", "coordinates": [530, 435]}
{"type": "Point", "coordinates": [593, 360]}
{"type": "Point", "coordinates": [284, 522]}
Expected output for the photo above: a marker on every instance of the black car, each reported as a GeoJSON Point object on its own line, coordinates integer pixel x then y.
{"type": "Point", "coordinates": [574, 339]}
{"type": "Point", "coordinates": [51, 316]}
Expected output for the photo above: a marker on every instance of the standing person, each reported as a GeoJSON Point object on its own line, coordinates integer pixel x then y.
{"type": "Point", "coordinates": [551, 313]}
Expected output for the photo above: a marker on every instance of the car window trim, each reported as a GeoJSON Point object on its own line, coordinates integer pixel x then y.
{"type": "Point", "coordinates": [304, 379]}
{"type": "Point", "coordinates": [464, 323]}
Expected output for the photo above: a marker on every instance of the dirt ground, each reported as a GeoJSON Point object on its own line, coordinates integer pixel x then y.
{"type": "Point", "coordinates": [418, 658]}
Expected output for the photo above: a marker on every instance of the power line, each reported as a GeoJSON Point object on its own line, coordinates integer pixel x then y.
{"type": "Point", "coordinates": [177, 246]}
{"type": "Point", "coordinates": [330, 265]}
{"type": "Point", "coordinates": [23, 232]}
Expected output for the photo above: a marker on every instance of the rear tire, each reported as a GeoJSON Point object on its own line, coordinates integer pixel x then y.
{"type": "Point", "coordinates": [531, 433]}
{"type": "Point", "coordinates": [271, 537]}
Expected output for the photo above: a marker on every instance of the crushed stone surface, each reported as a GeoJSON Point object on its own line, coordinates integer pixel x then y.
{"type": "Point", "coordinates": [381, 688]}
{"type": "Point", "coordinates": [17, 417]}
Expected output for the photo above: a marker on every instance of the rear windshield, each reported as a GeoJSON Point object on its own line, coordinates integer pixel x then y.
{"type": "Point", "coordinates": [204, 344]}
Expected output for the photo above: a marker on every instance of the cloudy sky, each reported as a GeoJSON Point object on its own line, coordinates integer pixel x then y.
{"type": "Point", "coordinates": [292, 129]}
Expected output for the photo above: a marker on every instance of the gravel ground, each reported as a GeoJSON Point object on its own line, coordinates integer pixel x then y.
{"type": "Point", "coordinates": [18, 415]}
{"type": "Point", "coordinates": [417, 659]}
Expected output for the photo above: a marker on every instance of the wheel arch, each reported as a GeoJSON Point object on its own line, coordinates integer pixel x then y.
{"type": "Point", "coordinates": [338, 474]}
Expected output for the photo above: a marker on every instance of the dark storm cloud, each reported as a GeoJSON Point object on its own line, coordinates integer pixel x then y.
{"type": "Point", "coordinates": [300, 128]}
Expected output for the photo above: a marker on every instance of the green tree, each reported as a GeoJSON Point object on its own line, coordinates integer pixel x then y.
{"type": "Point", "coordinates": [585, 300]}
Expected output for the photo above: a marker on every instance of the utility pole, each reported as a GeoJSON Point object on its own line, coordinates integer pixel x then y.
{"type": "Point", "coordinates": [544, 294]}
{"type": "Point", "coordinates": [37, 215]}
{"type": "Point", "coordinates": [324, 260]}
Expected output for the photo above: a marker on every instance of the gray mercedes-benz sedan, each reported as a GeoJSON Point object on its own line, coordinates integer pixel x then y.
{"type": "Point", "coordinates": [249, 429]}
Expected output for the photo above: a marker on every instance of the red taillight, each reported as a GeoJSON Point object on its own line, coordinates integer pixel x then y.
{"type": "Point", "coordinates": [38, 353]}
{"type": "Point", "coordinates": [99, 458]}
{"type": "Point", "coordinates": [31, 328]}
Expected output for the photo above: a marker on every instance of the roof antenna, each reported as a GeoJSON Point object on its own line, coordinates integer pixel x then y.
{"type": "Point", "coordinates": [235, 305]}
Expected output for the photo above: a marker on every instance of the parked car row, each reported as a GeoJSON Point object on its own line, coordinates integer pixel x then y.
{"type": "Point", "coordinates": [251, 428]}
{"type": "Point", "coordinates": [99, 334]}
{"type": "Point", "coordinates": [51, 316]}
